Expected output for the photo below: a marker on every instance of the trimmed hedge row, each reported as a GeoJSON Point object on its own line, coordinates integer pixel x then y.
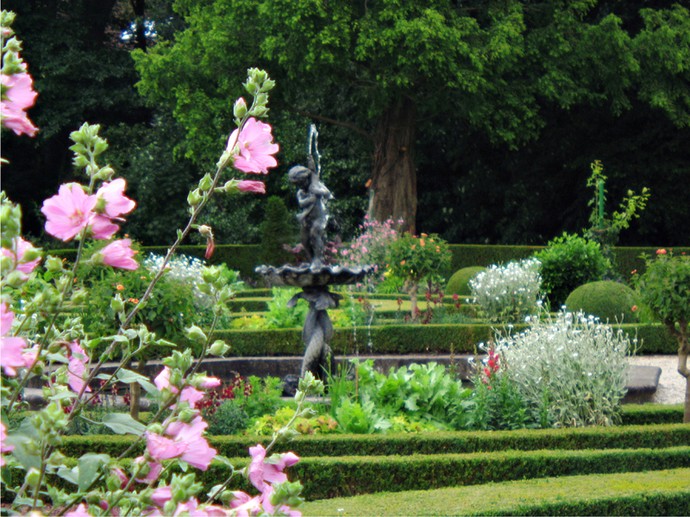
{"type": "Point", "coordinates": [413, 339]}
{"type": "Point", "coordinates": [619, 437]}
{"type": "Point", "coordinates": [659, 503]}
{"type": "Point", "coordinates": [243, 257]}
{"type": "Point", "coordinates": [325, 477]}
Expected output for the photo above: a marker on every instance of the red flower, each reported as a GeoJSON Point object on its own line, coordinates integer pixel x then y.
{"type": "Point", "coordinates": [634, 308]}
{"type": "Point", "coordinates": [661, 251]}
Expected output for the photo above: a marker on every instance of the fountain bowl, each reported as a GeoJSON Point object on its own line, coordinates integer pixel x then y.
{"type": "Point", "coordinates": [308, 275]}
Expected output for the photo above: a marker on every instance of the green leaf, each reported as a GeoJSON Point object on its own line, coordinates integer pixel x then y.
{"type": "Point", "coordinates": [89, 466]}
{"type": "Point", "coordinates": [122, 423]}
{"type": "Point", "coordinates": [129, 377]}
{"type": "Point", "coordinates": [71, 475]}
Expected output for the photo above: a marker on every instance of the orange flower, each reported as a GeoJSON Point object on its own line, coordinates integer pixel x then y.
{"type": "Point", "coordinates": [421, 242]}
{"type": "Point", "coordinates": [402, 262]}
{"type": "Point", "coordinates": [633, 272]}
{"type": "Point", "coordinates": [414, 246]}
{"type": "Point", "coordinates": [133, 300]}
{"type": "Point", "coordinates": [661, 251]}
{"type": "Point", "coordinates": [120, 287]}
{"type": "Point", "coordinates": [424, 235]}
{"type": "Point", "coordinates": [634, 308]}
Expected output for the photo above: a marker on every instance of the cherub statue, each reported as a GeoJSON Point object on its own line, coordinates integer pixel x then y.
{"type": "Point", "coordinates": [312, 196]}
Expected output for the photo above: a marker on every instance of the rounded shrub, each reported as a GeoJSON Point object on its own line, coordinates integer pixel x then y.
{"type": "Point", "coordinates": [567, 262]}
{"type": "Point", "coordinates": [459, 283]}
{"type": "Point", "coordinates": [229, 418]}
{"type": "Point", "coordinates": [608, 300]}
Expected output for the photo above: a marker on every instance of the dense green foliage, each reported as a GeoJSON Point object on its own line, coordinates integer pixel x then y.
{"type": "Point", "coordinates": [277, 230]}
{"type": "Point", "coordinates": [568, 262]}
{"type": "Point", "coordinates": [608, 300]}
{"type": "Point", "coordinates": [472, 77]}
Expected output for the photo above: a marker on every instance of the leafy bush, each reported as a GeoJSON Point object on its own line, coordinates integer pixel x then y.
{"type": "Point", "coordinates": [168, 311]}
{"type": "Point", "coordinates": [418, 259]}
{"type": "Point", "coordinates": [279, 315]}
{"type": "Point", "coordinates": [665, 289]}
{"type": "Point", "coordinates": [568, 262]}
{"type": "Point", "coordinates": [605, 299]}
{"type": "Point", "coordinates": [508, 293]}
{"type": "Point", "coordinates": [229, 418]}
{"type": "Point", "coordinates": [424, 393]}
{"type": "Point", "coordinates": [571, 370]}
{"type": "Point", "coordinates": [459, 282]}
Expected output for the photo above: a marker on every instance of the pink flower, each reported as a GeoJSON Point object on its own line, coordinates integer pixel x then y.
{"type": "Point", "coordinates": [162, 380]}
{"type": "Point", "coordinates": [102, 228]}
{"type": "Point", "coordinates": [153, 470]}
{"type": "Point", "coordinates": [254, 146]}
{"type": "Point", "coordinates": [68, 212]}
{"type": "Point", "coordinates": [261, 472]}
{"type": "Point", "coordinates": [4, 448]}
{"type": "Point", "coordinates": [20, 96]}
{"type": "Point", "coordinates": [161, 495]}
{"type": "Point", "coordinates": [119, 254]}
{"type": "Point", "coordinates": [77, 368]}
{"type": "Point", "coordinates": [191, 508]}
{"type": "Point", "coordinates": [244, 505]}
{"type": "Point", "coordinates": [661, 251]}
{"type": "Point", "coordinates": [209, 382]}
{"type": "Point", "coordinates": [79, 511]}
{"type": "Point", "coordinates": [17, 253]}
{"type": "Point", "coordinates": [11, 348]}
{"type": "Point", "coordinates": [257, 187]}
{"type": "Point", "coordinates": [116, 203]}
{"type": "Point", "coordinates": [184, 442]}
{"type": "Point", "coordinates": [191, 395]}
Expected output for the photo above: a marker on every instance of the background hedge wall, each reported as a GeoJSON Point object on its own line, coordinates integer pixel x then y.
{"type": "Point", "coordinates": [243, 257]}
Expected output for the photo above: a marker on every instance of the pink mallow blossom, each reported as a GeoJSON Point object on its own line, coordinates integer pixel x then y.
{"type": "Point", "coordinates": [17, 254]}
{"type": "Point", "coordinates": [77, 368]}
{"type": "Point", "coordinates": [184, 441]}
{"type": "Point", "coordinates": [69, 211]}
{"type": "Point", "coordinates": [116, 203]}
{"type": "Point", "coordinates": [79, 511]}
{"type": "Point", "coordinates": [4, 448]}
{"type": "Point", "coordinates": [119, 254]}
{"type": "Point", "coordinates": [12, 349]}
{"type": "Point", "coordinates": [261, 471]}
{"type": "Point", "coordinates": [20, 95]}
{"type": "Point", "coordinates": [255, 147]}
{"type": "Point", "coordinates": [256, 187]}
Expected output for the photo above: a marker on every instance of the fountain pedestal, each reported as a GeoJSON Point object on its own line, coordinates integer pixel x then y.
{"type": "Point", "coordinates": [318, 329]}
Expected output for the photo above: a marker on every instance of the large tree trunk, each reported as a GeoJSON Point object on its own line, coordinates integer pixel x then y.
{"type": "Point", "coordinates": [394, 178]}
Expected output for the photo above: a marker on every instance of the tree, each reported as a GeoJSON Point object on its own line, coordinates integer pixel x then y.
{"type": "Point", "coordinates": [386, 67]}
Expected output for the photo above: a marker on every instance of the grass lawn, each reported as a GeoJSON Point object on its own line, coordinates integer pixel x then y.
{"type": "Point", "coordinates": [505, 498]}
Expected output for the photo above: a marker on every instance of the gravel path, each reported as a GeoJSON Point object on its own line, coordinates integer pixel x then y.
{"type": "Point", "coordinates": [671, 389]}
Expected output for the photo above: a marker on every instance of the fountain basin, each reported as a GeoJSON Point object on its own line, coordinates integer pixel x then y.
{"type": "Point", "coordinates": [308, 275]}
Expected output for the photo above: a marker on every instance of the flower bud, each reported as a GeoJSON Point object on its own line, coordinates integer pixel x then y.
{"type": "Point", "coordinates": [53, 264]}
{"type": "Point", "coordinates": [218, 348]}
{"type": "Point", "coordinates": [117, 304]}
{"type": "Point", "coordinates": [239, 110]}
{"type": "Point", "coordinates": [195, 334]}
{"type": "Point", "coordinates": [206, 183]}
{"type": "Point", "coordinates": [15, 279]}
{"type": "Point", "coordinates": [194, 197]}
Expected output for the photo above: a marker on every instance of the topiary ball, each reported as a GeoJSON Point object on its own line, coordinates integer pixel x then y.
{"type": "Point", "coordinates": [608, 300]}
{"type": "Point", "coordinates": [459, 282]}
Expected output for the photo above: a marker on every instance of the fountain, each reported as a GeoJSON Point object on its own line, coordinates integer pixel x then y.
{"type": "Point", "coordinates": [314, 276]}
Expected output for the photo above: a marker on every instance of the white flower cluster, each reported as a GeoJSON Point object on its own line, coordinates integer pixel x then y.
{"type": "Point", "coordinates": [183, 269]}
{"type": "Point", "coordinates": [573, 368]}
{"type": "Point", "coordinates": [508, 293]}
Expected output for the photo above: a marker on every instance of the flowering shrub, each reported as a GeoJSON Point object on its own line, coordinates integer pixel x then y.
{"type": "Point", "coordinates": [571, 371]}
{"type": "Point", "coordinates": [418, 259]}
{"type": "Point", "coordinates": [508, 293]}
{"type": "Point", "coordinates": [665, 289]}
{"type": "Point", "coordinates": [41, 338]}
{"type": "Point", "coordinates": [567, 262]}
{"type": "Point", "coordinates": [371, 247]}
